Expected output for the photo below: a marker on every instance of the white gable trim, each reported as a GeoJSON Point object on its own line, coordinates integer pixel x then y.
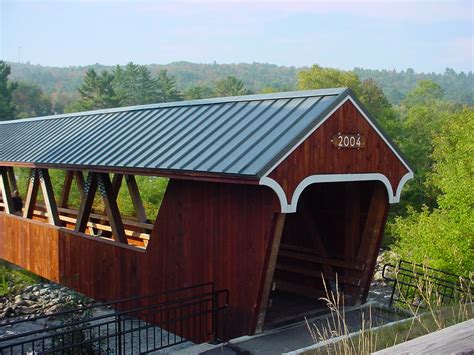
{"type": "Point", "coordinates": [393, 197]}
{"type": "Point", "coordinates": [348, 98]}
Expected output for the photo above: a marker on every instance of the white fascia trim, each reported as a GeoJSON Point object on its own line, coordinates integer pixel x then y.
{"type": "Point", "coordinates": [348, 98]}
{"type": "Point", "coordinates": [275, 186]}
{"type": "Point", "coordinates": [327, 178]}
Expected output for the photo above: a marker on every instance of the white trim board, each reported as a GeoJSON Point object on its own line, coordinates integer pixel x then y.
{"type": "Point", "coordinates": [393, 194]}
{"type": "Point", "coordinates": [348, 98]}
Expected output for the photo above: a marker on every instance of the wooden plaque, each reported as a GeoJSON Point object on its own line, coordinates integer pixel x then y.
{"type": "Point", "coordinates": [348, 141]}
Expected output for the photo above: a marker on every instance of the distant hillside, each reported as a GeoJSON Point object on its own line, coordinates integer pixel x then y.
{"type": "Point", "coordinates": [256, 76]}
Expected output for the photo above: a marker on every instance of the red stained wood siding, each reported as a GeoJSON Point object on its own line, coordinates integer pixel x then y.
{"type": "Point", "coordinates": [204, 232]}
{"type": "Point", "coordinates": [317, 155]}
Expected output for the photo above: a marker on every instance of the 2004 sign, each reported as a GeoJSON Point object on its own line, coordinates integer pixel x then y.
{"type": "Point", "coordinates": [348, 140]}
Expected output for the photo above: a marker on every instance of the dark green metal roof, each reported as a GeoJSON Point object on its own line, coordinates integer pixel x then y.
{"type": "Point", "coordinates": [244, 135]}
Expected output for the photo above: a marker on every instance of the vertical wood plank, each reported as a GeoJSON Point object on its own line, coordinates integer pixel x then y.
{"type": "Point", "coordinates": [269, 268]}
{"type": "Point", "coordinates": [90, 188]}
{"type": "Point", "coordinates": [31, 194]}
{"type": "Point", "coordinates": [136, 199]}
{"type": "Point", "coordinates": [6, 191]}
{"type": "Point", "coordinates": [111, 208]}
{"type": "Point", "coordinates": [48, 196]}
{"type": "Point", "coordinates": [63, 202]}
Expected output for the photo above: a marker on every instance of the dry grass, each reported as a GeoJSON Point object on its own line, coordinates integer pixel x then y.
{"type": "Point", "coordinates": [428, 316]}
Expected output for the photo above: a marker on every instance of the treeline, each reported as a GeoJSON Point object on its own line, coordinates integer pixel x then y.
{"type": "Point", "coordinates": [61, 84]}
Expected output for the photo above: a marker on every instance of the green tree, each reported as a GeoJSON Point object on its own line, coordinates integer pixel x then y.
{"type": "Point", "coordinates": [97, 91]}
{"type": "Point", "coordinates": [198, 92]}
{"type": "Point", "coordinates": [135, 85]}
{"type": "Point", "coordinates": [167, 87]}
{"type": "Point", "coordinates": [443, 237]}
{"type": "Point", "coordinates": [30, 101]}
{"type": "Point", "coordinates": [7, 108]}
{"type": "Point", "coordinates": [230, 86]}
{"type": "Point", "coordinates": [424, 114]}
{"type": "Point", "coordinates": [318, 77]}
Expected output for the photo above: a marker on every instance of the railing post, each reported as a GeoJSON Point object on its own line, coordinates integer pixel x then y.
{"type": "Point", "coordinates": [119, 333]}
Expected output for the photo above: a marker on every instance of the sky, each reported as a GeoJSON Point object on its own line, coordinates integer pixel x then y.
{"type": "Point", "coordinates": [427, 36]}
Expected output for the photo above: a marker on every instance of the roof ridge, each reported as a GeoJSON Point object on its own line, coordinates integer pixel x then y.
{"type": "Point", "coordinates": [209, 101]}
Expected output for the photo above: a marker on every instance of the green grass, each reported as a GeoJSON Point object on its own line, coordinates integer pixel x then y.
{"type": "Point", "coordinates": [14, 279]}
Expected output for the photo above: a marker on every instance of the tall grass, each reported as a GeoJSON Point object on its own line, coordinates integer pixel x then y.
{"type": "Point", "coordinates": [429, 315]}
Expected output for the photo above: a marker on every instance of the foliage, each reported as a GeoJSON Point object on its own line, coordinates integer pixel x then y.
{"type": "Point", "coordinates": [230, 86]}
{"type": "Point", "coordinates": [7, 107]}
{"type": "Point", "coordinates": [443, 237]}
{"type": "Point", "coordinates": [30, 101]}
{"type": "Point", "coordinates": [97, 91]}
{"type": "Point", "coordinates": [135, 85]}
{"type": "Point", "coordinates": [198, 92]}
{"type": "Point", "coordinates": [167, 86]}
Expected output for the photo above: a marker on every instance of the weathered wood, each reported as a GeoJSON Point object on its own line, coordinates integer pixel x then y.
{"type": "Point", "coordinates": [65, 191]}
{"type": "Point", "coordinates": [140, 212]}
{"type": "Point", "coordinates": [31, 194]}
{"type": "Point", "coordinates": [269, 267]}
{"type": "Point", "coordinates": [111, 208]}
{"type": "Point", "coordinates": [6, 191]}
{"type": "Point", "coordinates": [456, 339]}
{"type": "Point", "coordinates": [85, 209]}
{"type": "Point", "coordinates": [48, 196]}
{"type": "Point", "coordinates": [12, 178]}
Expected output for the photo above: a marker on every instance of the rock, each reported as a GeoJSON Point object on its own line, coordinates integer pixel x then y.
{"type": "Point", "coordinates": [18, 298]}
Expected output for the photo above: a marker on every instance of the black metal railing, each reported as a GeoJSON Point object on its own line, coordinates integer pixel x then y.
{"type": "Point", "coordinates": [416, 284]}
{"type": "Point", "coordinates": [134, 325]}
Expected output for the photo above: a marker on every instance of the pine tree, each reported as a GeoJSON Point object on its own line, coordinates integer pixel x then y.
{"type": "Point", "coordinates": [97, 91]}
{"type": "Point", "coordinates": [167, 85]}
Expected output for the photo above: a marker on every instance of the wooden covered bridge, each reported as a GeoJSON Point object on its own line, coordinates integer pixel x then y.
{"type": "Point", "coordinates": [265, 192]}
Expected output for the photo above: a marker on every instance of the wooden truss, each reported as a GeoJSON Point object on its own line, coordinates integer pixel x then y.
{"type": "Point", "coordinates": [60, 214]}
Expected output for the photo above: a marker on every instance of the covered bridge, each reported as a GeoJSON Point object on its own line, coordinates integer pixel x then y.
{"type": "Point", "coordinates": [266, 192]}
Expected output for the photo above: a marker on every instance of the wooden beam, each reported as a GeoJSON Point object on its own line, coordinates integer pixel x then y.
{"type": "Point", "coordinates": [117, 183]}
{"type": "Point", "coordinates": [6, 192]}
{"type": "Point", "coordinates": [90, 188]}
{"type": "Point", "coordinates": [48, 196]}
{"type": "Point", "coordinates": [31, 194]}
{"type": "Point", "coordinates": [372, 235]}
{"type": "Point", "coordinates": [66, 189]}
{"type": "Point", "coordinates": [140, 212]}
{"type": "Point", "coordinates": [80, 183]}
{"type": "Point", "coordinates": [12, 178]}
{"type": "Point", "coordinates": [269, 267]}
{"type": "Point", "coordinates": [111, 208]}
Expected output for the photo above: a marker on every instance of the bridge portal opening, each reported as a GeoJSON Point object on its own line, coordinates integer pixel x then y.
{"type": "Point", "coordinates": [325, 248]}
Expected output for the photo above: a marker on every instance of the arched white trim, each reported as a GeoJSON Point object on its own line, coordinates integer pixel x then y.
{"type": "Point", "coordinates": [403, 181]}
{"type": "Point", "coordinates": [325, 178]}
{"type": "Point", "coordinates": [275, 186]}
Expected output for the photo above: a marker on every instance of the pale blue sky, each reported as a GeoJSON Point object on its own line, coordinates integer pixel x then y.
{"type": "Point", "coordinates": [423, 35]}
